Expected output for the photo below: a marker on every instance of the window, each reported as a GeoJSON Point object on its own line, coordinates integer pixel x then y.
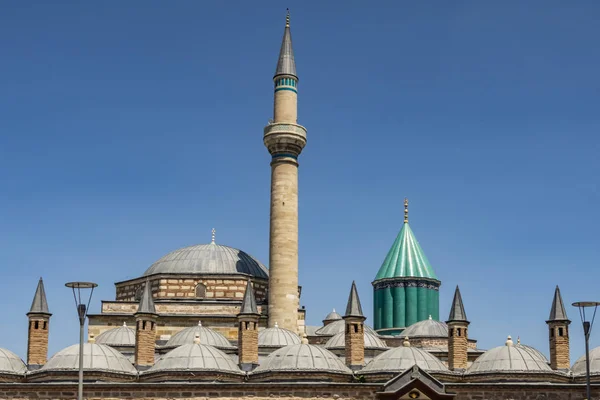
{"type": "Point", "coordinates": [200, 291]}
{"type": "Point", "coordinates": [560, 331]}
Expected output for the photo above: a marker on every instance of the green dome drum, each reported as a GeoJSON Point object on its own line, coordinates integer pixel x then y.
{"type": "Point", "coordinates": [406, 289]}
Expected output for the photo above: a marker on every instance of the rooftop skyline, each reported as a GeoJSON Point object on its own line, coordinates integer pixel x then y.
{"type": "Point", "coordinates": [131, 131]}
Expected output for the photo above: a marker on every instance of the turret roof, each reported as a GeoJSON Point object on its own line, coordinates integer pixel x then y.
{"type": "Point", "coordinates": [353, 308]}
{"type": "Point", "coordinates": [146, 303]}
{"type": "Point", "coordinates": [457, 311]}
{"type": "Point", "coordinates": [557, 312]}
{"type": "Point", "coordinates": [249, 301]}
{"type": "Point", "coordinates": [39, 304]}
{"type": "Point", "coordinates": [286, 64]}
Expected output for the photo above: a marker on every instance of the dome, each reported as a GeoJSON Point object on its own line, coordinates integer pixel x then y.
{"type": "Point", "coordinates": [337, 327]}
{"type": "Point", "coordinates": [579, 366]}
{"type": "Point", "coordinates": [11, 363]}
{"type": "Point", "coordinates": [208, 259]}
{"type": "Point", "coordinates": [509, 358]}
{"type": "Point", "coordinates": [121, 336]}
{"type": "Point", "coordinates": [533, 351]}
{"type": "Point", "coordinates": [401, 358]}
{"type": "Point", "coordinates": [333, 316]}
{"type": "Point", "coordinates": [427, 328]}
{"type": "Point", "coordinates": [196, 357]}
{"type": "Point", "coordinates": [302, 357]}
{"type": "Point", "coordinates": [277, 337]}
{"type": "Point", "coordinates": [207, 336]}
{"type": "Point", "coordinates": [371, 341]}
{"type": "Point", "coordinates": [96, 357]}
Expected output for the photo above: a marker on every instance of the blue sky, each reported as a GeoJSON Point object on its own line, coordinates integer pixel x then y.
{"type": "Point", "coordinates": [128, 130]}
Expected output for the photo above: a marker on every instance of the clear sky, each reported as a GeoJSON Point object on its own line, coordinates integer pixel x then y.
{"type": "Point", "coordinates": [130, 129]}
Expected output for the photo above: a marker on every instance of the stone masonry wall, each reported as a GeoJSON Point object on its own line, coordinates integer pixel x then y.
{"type": "Point", "coordinates": [355, 343]}
{"type": "Point", "coordinates": [37, 341]}
{"type": "Point", "coordinates": [145, 339]}
{"type": "Point", "coordinates": [457, 347]}
{"type": "Point", "coordinates": [559, 346]}
{"type": "Point", "coordinates": [248, 341]}
{"type": "Point", "coordinates": [175, 287]}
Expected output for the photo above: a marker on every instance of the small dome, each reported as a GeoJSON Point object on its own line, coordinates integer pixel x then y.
{"type": "Point", "coordinates": [337, 327]}
{"type": "Point", "coordinates": [509, 358]}
{"type": "Point", "coordinates": [207, 336]}
{"type": "Point", "coordinates": [302, 357]}
{"type": "Point", "coordinates": [535, 353]}
{"type": "Point", "coordinates": [427, 328]}
{"type": "Point", "coordinates": [121, 336]}
{"type": "Point", "coordinates": [401, 358]}
{"type": "Point", "coordinates": [196, 357]}
{"type": "Point", "coordinates": [579, 366]}
{"type": "Point", "coordinates": [277, 337]}
{"type": "Point", "coordinates": [333, 316]}
{"type": "Point", "coordinates": [10, 363]}
{"type": "Point", "coordinates": [96, 357]}
{"type": "Point", "coordinates": [371, 341]}
{"type": "Point", "coordinates": [208, 259]}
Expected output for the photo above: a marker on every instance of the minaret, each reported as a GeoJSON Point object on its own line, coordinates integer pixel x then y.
{"type": "Point", "coordinates": [39, 327]}
{"type": "Point", "coordinates": [558, 330]}
{"type": "Point", "coordinates": [457, 334]}
{"type": "Point", "coordinates": [284, 139]}
{"type": "Point", "coordinates": [145, 330]}
{"type": "Point", "coordinates": [354, 341]}
{"type": "Point", "coordinates": [248, 330]}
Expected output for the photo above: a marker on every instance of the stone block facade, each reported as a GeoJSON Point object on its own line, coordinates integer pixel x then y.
{"type": "Point", "coordinates": [37, 339]}
{"type": "Point", "coordinates": [457, 346]}
{"type": "Point", "coordinates": [559, 345]}
{"type": "Point", "coordinates": [248, 340]}
{"type": "Point", "coordinates": [355, 343]}
{"type": "Point", "coordinates": [145, 341]}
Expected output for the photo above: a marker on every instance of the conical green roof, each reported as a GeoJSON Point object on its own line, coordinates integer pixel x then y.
{"type": "Point", "coordinates": [406, 258]}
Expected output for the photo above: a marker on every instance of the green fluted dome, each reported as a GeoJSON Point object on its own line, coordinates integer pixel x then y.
{"type": "Point", "coordinates": [406, 258]}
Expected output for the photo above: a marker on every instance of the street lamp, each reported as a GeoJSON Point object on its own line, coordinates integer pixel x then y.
{"type": "Point", "coordinates": [82, 309]}
{"type": "Point", "coordinates": [587, 329]}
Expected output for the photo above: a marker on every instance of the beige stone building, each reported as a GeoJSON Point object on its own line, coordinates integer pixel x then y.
{"type": "Point", "coordinates": [211, 321]}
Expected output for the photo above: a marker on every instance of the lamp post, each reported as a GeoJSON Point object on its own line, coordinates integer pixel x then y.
{"type": "Point", "coordinates": [587, 329]}
{"type": "Point", "coordinates": [82, 309]}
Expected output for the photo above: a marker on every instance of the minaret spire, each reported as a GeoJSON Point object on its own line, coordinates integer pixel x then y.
{"type": "Point", "coordinates": [284, 139]}
{"type": "Point", "coordinates": [406, 210]}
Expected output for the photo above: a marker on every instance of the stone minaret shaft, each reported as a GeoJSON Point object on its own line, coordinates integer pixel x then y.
{"type": "Point", "coordinates": [145, 330]}
{"type": "Point", "coordinates": [284, 139]}
{"type": "Point", "coordinates": [248, 318]}
{"type": "Point", "coordinates": [39, 327]}
{"type": "Point", "coordinates": [354, 339]}
{"type": "Point", "coordinates": [458, 337]}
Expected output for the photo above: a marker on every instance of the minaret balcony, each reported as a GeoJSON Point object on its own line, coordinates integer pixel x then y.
{"type": "Point", "coordinates": [285, 138]}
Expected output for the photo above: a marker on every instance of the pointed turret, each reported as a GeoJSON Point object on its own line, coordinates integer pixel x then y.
{"type": "Point", "coordinates": [248, 330]}
{"type": "Point", "coordinates": [145, 330]}
{"type": "Point", "coordinates": [39, 328]}
{"type": "Point", "coordinates": [39, 305]}
{"type": "Point", "coordinates": [355, 331]}
{"type": "Point", "coordinates": [458, 337]}
{"type": "Point", "coordinates": [558, 328]}
{"type": "Point", "coordinates": [249, 301]}
{"type": "Point", "coordinates": [406, 288]}
{"type": "Point", "coordinates": [558, 312]}
{"type": "Point", "coordinates": [286, 64]}
{"type": "Point", "coordinates": [457, 311]}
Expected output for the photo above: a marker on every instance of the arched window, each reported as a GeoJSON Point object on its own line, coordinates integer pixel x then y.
{"type": "Point", "coordinates": [200, 291]}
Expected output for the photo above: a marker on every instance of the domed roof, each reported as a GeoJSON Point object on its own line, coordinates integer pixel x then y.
{"type": "Point", "coordinates": [534, 352]}
{"type": "Point", "coordinates": [401, 358]}
{"type": "Point", "coordinates": [427, 328]}
{"type": "Point", "coordinates": [96, 357]}
{"type": "Point", "coordinates": [371, 341]}
{"type": "Point", "coordinates": [337, 327]}
{"type": "Point", "coordinates": [121, 336]}
{"type": "Point", "coordinates": [11, 363]}
{"type": "Point", "coordinates": [579, 366]}
{"type": "Point", "coordinates": [277, 337]}
{"type": "Point", "coordinates": [332, 316]}
{"type": "Point", "coordinates": [207, 336]}
{"type": "Point", "coordinates": [302, 357]}
{"type": "Point", "coordinates": [209, 258]}
{"type": "Point", "coordinates": [196, 357]}
{"type": "Point", "coordinates": [509, 358]}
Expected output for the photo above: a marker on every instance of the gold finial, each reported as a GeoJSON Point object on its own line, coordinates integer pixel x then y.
{"type": "Point", "coordinates": [287, 19]}
{"type": "Point", "coordinates": [518, 339]}
{"type": "Point", "coordinates": [406, 210]}
{"type": "Point", "coordinates": [213, 232]}
{"type": "Point", "coordinates": [509, 341]}
{"type": "Point", "coordinates": [406, 343]}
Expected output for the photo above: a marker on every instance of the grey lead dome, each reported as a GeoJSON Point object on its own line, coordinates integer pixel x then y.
{"type": "Point", "coordinates": [371, 341]}
{"type": "Point", "coordinates": [207, 336]}
{"type": "Point", "coordinates": [10, 363]}
{"type": "Point", "coordinates": [302, 357]}
{"type": "Point", "coordinates": [196, 357]}
{"type": "Point", "coordinates": [208, 259]}
{"type": "Point", "coordinates": [399, 359]}
{"type": "Point", "coordinates": [121, 336]}
{"type": "Point", "coordinates": [96, 357]}
{"type": "Point", "coordinates": [427, 328]}
{"type": "Point", "coordinates": [277, 337]}
{"type": "Point", "coordinates": [510, 358]}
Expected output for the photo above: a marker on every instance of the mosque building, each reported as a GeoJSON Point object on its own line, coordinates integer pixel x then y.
{"type": "Point", "coordinates": [211, 321]}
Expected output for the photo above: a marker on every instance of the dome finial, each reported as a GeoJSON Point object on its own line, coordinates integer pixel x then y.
{"type": "Point", "coordinates": [509, 341]}
{"type": "Point", "coordinates": [276, 325]}
{"type": "Point", "coordinates": [200, 323]}
{"type": "Point", "coordinates": [518, 339]}
{"type": "Point", "coordinates": [430, 317]}
{"type": "Point", "coordinates": [124, 323]}
{"type": "Point", "coordinates": [406, 343]}
{"type": "Point", "coordinates": [213, 232]}
{"type": "Point", "coordinates": [197, 338]}
{"type": "Point", "coordinates": [406, 210]}
{"type": "Point", "coordinates": [287, 18]}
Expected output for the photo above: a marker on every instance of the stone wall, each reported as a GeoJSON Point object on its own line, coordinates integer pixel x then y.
{"type": "Point", "coordinates": [355, 343]}
{"type": "Point", "coordinates": [184, 287]}
{"type": "Point", "coordinates": [507, 391]}
{"type": "Point", "coordinates": [37, 341]}
{"type": "Point", "coordinates": [559, 345]}
{"type": "Point", "coordinates": [145, 341]}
